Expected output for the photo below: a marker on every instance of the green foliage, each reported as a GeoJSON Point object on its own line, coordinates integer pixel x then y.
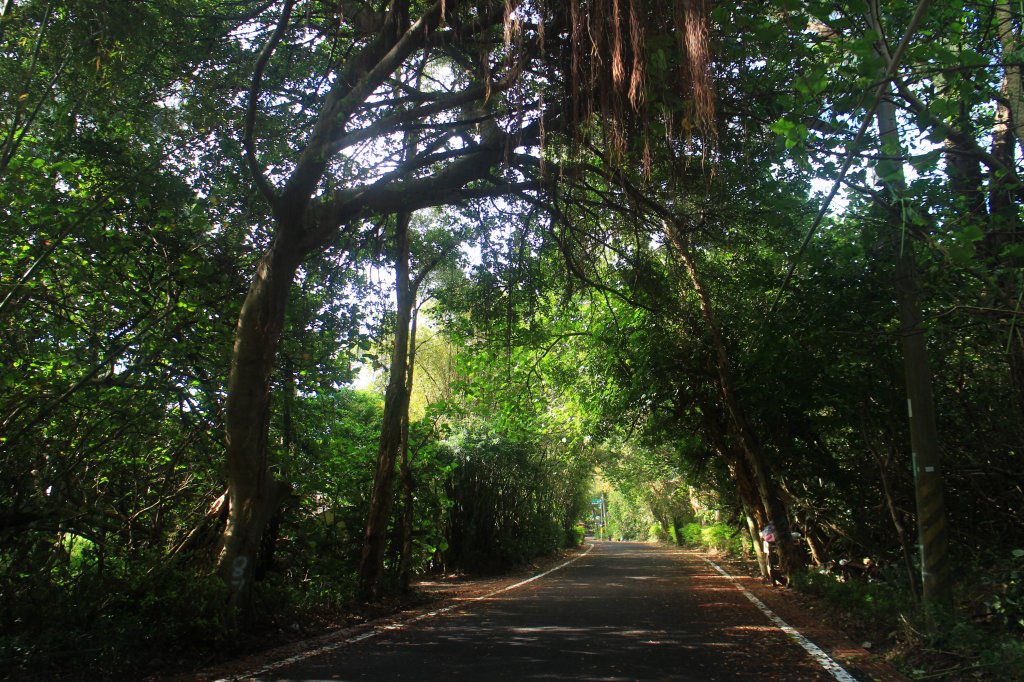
{"type": "Point", "coordinates": [693, 535]}
{"type": "Point", "coordinates": [575, 339]}
{"type": "Point", "coordinates": [674, 537]}
{"type": "Point", "coordinates": [115, 615]}
{"type": "Point", "coordinates": [977, 636]}
{"type": "Point", "coordinates": [1007, 601]}
{"type": "Point", "coordinates": [723, 538]}
{"type": "Point", "coordinates": [862, 599]}
{"type": "Point", "coordinates": [718, 537]}
{"type": "Point", "coordinates": [329, 454]}
{"type": "Point", "coordinates": [628, 517]}
{"type": "Point", "coordinates": [579, 534]}
{"type": "Point", "coordinates": [511, 502]}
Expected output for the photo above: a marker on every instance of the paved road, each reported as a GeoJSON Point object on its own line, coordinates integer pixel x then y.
{"type": "Point", "coordinates": [625, 611]}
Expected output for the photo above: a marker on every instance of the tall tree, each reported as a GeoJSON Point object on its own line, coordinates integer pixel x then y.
{"type": "Point", "coordinates": [325, 196]}
{"type": "Point", "coordinates": [395, 428]}
{"type": "Point", "coordinates": [933, 536]}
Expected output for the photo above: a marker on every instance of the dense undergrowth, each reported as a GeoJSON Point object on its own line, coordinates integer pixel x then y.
{"type": "Point", "coordinates": [983, 639]}
{"type": "Point", "coordinates": [110, 612]}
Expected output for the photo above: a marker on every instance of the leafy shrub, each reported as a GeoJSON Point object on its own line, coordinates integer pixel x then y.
{"type": "Point", "coordinates": [113, 617]}
{"type": "Point", "coordinates": [657, 533]}
{"type": "Point", "coordinates": [510, 501]}
{"type": "Point", "coordinates": [579, 533]}
{"type": "Point", "coordinates": [693, 535]}
{"type": "Point", "coordinates": [1007, 602]}
{"type": "Point", "coordinates": [724, 538]}
{"type": "Point", "coordinates": [629, 518]}
{"type": "Point", "coordinates": [672, 536]}
{"type": "Point", "coordinates": [718, 537]}
{"type": "Point", "coordinates": [981, 634]}
{"type": "Point", "coordinates": [865, 600]}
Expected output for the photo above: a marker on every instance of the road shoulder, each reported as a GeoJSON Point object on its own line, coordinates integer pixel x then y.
{"type": "Point", "coordinates": [799, 611]}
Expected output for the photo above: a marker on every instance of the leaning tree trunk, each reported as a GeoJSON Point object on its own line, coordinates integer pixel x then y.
{"type": "Point", "coordinates": [753, 505]}
{"type": "Point", "coordinates": [789, 554]}
{"type": "Point", "coordinates": [253, 493]}
{"type": "Point", "coordinates": [753, 510]}
{"type": "Point", "coordinates": [396, 408]}
{"type": "Point", "coordinates": [755, 540]}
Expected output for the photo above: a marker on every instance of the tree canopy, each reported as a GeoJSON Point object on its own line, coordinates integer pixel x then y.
{"type": "Point", "coordinates": [722, 267]}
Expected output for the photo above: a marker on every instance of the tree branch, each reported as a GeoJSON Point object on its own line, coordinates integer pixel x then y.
{"type": "Point", "coordinates": [962, 139]}
{"type": "Point", "coordinates": [366, 71]}
{"type": "Point", "coordinates": [262, 183]}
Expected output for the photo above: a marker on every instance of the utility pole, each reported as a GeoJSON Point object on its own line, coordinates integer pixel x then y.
{"type": "Point", "coordinates": [599, 516]}
{"type": "Point", "coordinates": [604, 516]}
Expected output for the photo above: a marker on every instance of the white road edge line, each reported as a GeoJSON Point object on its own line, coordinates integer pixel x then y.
{"type": "Point", "coordinates": [823, 659]}
{"type": "Point", "coordinates": [373, 632]}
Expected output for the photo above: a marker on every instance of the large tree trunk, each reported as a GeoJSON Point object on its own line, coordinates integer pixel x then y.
{"type": "Point", "coordinates": [408, 481]}
{"type": "Point", "coordinates": [931, 506]}
{"type": "Point", "coordinates": [253, 493]}
{"type": "Point", "coordinates": [309, 217]}
{"type": "Point", "coordinates": [1012, 85]}
{"type": "Point", "coordinates": [789, 554]}
{"type": "Point", "coordinates": [1005, 224]}
{"type": "Point", "coordinates": [396, 408]}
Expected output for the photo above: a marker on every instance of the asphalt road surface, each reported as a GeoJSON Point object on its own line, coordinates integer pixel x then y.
{"type": "Point", "coordinates": [623, 611]}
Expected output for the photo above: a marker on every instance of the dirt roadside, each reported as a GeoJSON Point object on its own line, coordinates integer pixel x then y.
{"type": "Point", "coordinates": [802, 613]}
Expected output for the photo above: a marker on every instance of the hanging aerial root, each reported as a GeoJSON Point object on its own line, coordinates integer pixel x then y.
{"type": "Point", "coordinates": [606, 69]}
{"type": "Point", "coordinates": [692, 26]}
